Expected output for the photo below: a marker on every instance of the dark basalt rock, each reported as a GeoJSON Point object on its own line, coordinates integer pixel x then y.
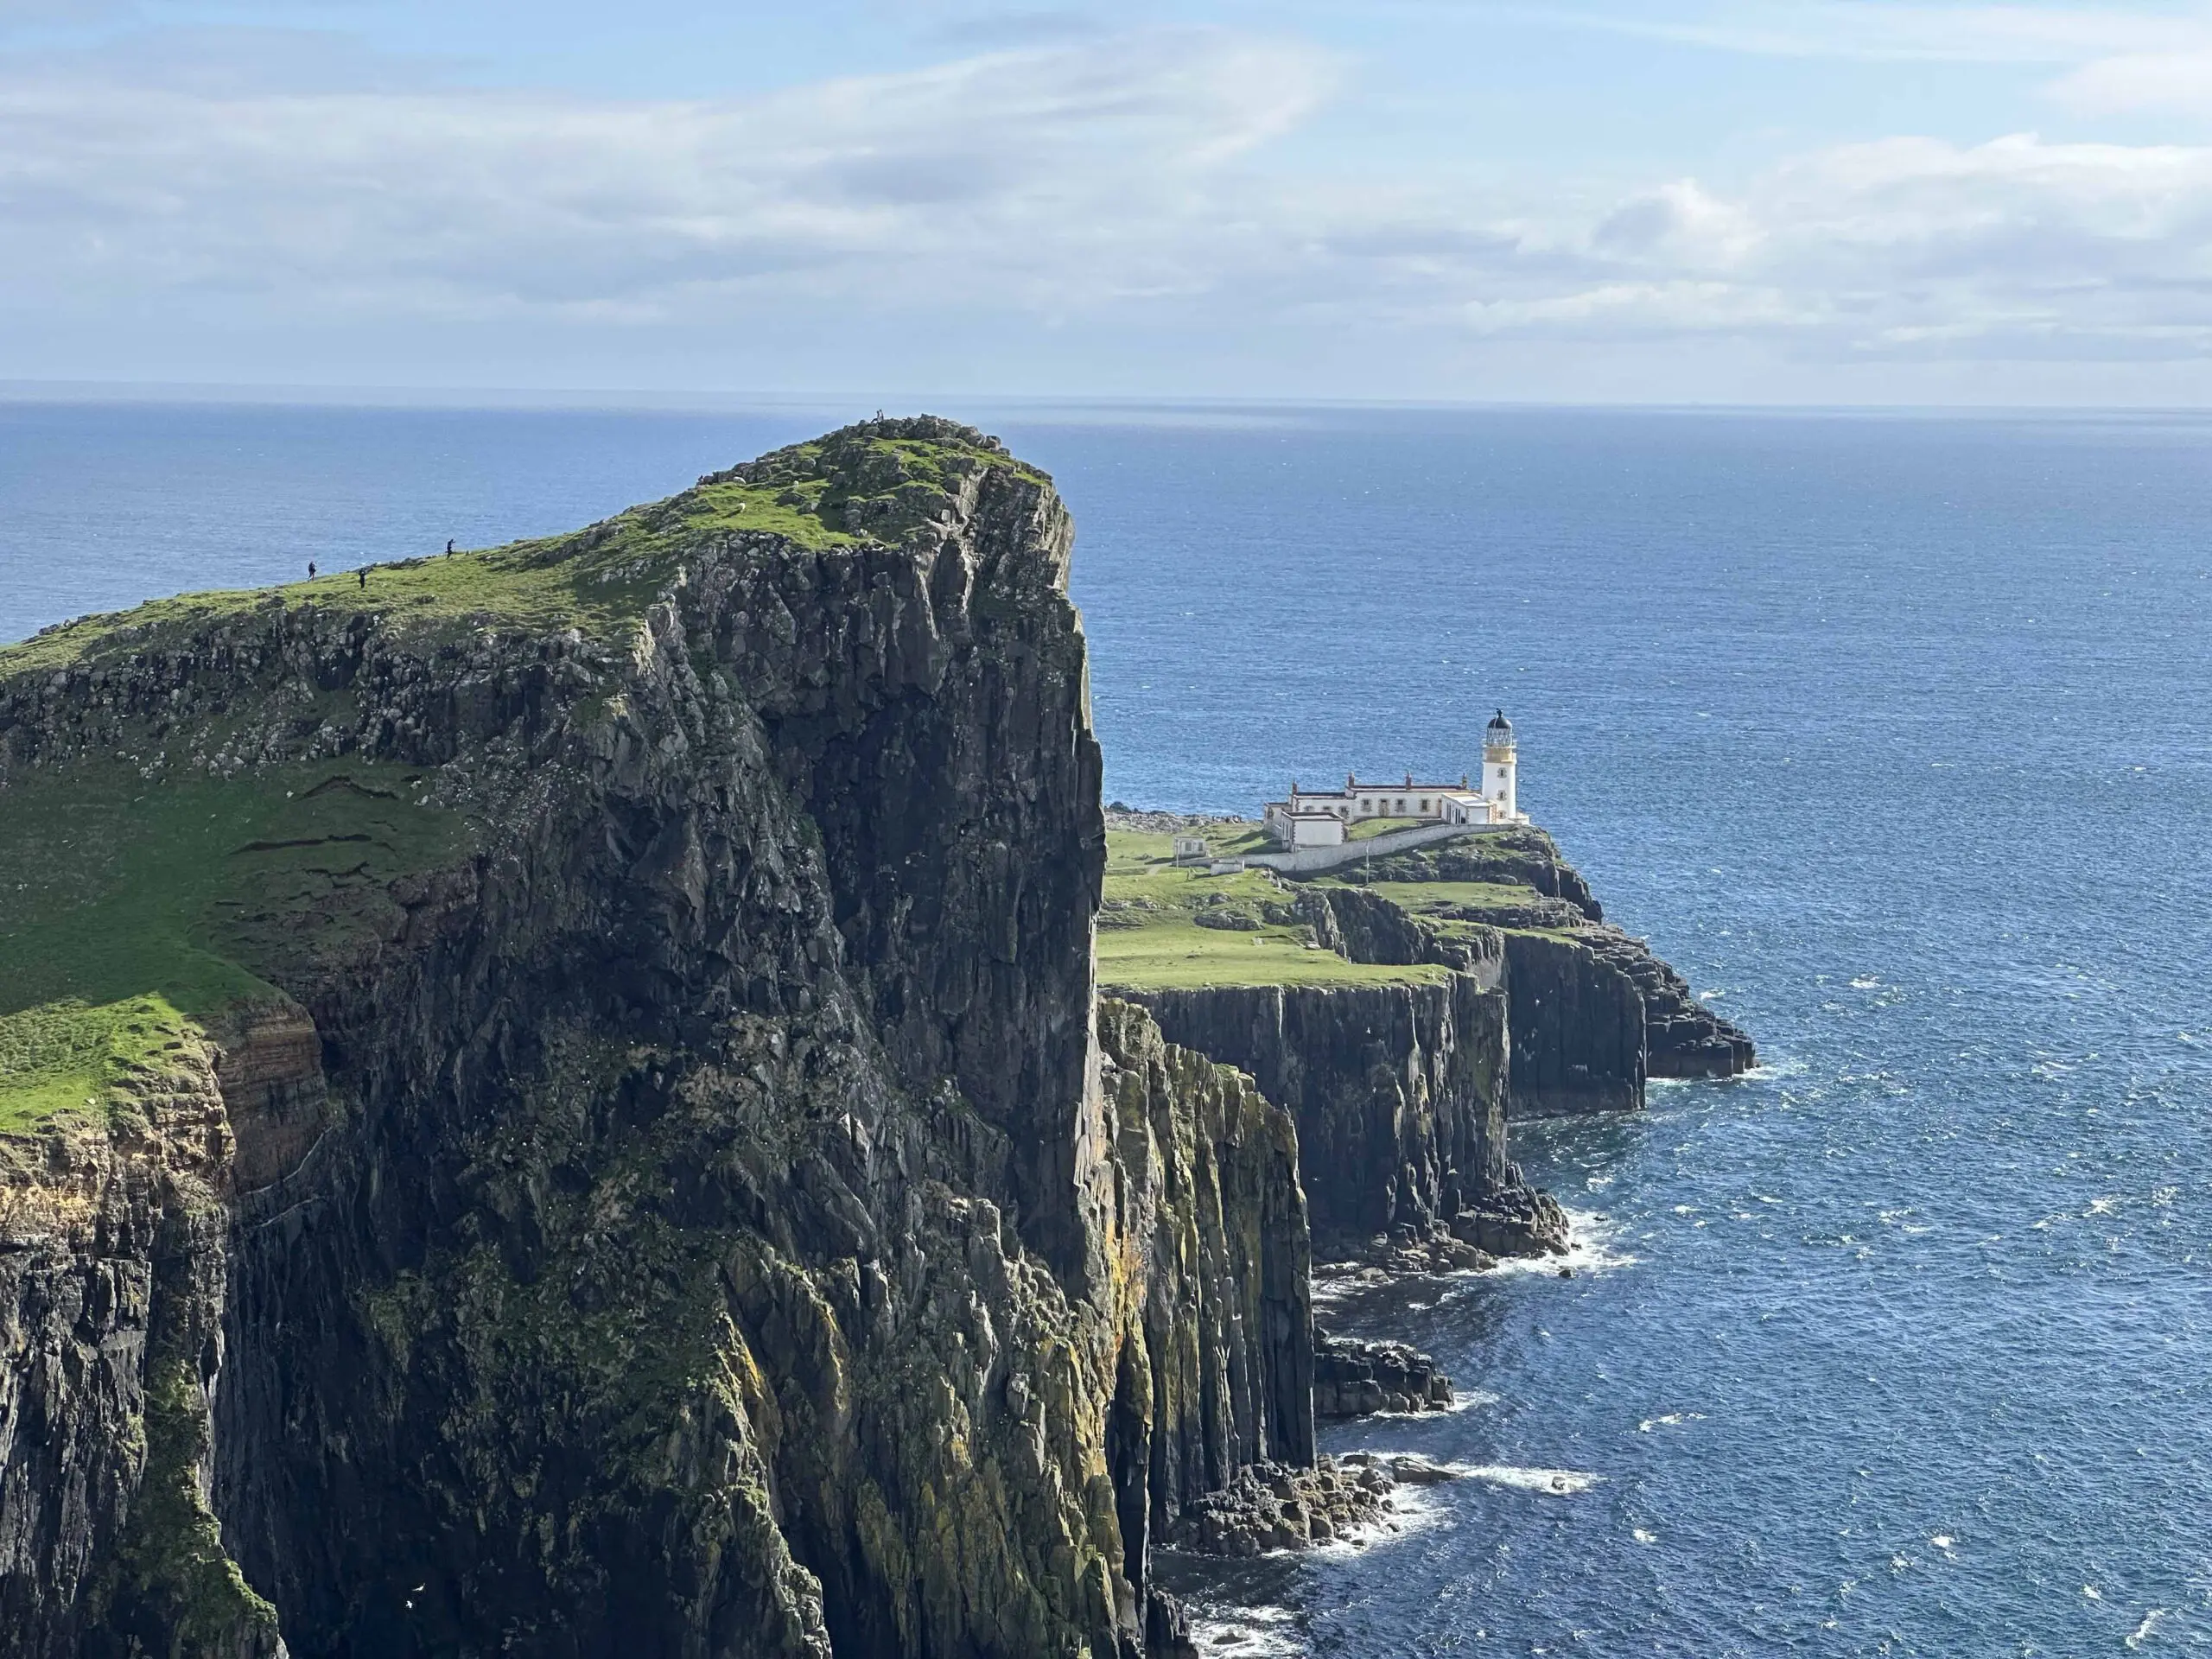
{"type": "Point", "coordinates": [1595, 1014]}
{"type": "Point", "coordinates": [1272, 1507]}
{"type": "Point", "coordinates": [1210, 1202]}
{"type": "Point", "coordinates": [702, 1218]}
{"type": "Point", "coordinates": [1398, 1091]}
{"type": "Point", "coordinates": [1514, 1220]}
{"type": "Point", "coordinates": [1357, 1378]}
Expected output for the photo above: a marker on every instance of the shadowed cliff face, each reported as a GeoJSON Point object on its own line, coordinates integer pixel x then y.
{"type": "Point", "coordinates": [1212, 1227]}
{"type": "Point", "coordinates": [111, 1293]}
{"type": "Point", "coordinates": [693, 1220]}
{"type": "Point", "coordinates": [1399, 1091]}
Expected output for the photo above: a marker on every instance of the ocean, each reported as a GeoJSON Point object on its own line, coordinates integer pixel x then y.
{"type": "Point", "coordinates": [1893, 732]}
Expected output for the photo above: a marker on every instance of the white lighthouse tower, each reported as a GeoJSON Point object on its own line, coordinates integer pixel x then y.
{"type": "Point", "coordinates": [1498, 764]}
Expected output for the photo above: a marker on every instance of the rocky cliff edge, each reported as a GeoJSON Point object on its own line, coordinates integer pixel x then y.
{"type": "Point", "coordinates": [552, 1101]}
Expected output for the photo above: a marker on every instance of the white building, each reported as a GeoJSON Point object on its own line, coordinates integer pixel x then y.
{"type": "Point", "coordinates": [1311, 819]}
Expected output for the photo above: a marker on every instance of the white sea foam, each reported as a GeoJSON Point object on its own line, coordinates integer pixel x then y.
{"type": "Point", "coordinates": [2143, 1630]}
{"type": "Point", "coordinates": [1410, 1507]}
{"type": "Point", "coordinates": [1590, 1237]}
{"type": "Point", "coordinates": [1245, 1632]}
{"type": "Point", "coordinates": [1462, 1400]}
{"type": "Point", "coordinates": [1552, 1483]}
{"type": "Point", "coordinates": [1669, 1420]}
{"type": "Point", "coordinates": [1769, 1071]}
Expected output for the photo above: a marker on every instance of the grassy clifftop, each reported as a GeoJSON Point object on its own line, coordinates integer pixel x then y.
{"type": "Point", "coordinates": [1169, 928]}
{"type": "Point", "coordinates": [134, 906]}
{"type": "Point", "coordinates": [189, 816]}
{"type": "Point", "coordinates": [875, 481]}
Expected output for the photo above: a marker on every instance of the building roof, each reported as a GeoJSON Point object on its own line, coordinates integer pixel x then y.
{"type": "Point", "coordinates": [1392, 788]}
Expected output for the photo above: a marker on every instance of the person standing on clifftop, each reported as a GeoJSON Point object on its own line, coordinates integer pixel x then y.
{"type": "Point", "coordinates": [448, 547]}
{"type": "Point", "coordinates": [364, 576]}
{"type": "Point", "coordinates": [310, 570]}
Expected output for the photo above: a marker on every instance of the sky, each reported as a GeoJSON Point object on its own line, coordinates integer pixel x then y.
{"type": "Point", "coordinates": [1682, 201]}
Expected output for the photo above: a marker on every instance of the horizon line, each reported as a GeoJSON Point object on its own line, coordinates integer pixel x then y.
{"type": "Point", "coordinates": [651, 400]}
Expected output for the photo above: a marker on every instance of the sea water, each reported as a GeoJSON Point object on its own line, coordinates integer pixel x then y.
{"type": "Point", "coordinates": [1893, 732]}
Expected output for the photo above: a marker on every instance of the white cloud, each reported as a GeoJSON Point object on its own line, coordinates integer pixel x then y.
{"type": "Point", "coordinates": [2181, 82]}
{"type": "Point", "coordinates": [2095, 251]}
{"type": "Point", "coordinates": [1070, 166]}
{"type": "Point", "coordinates": [1877, 30]}
{"type": "Point", "coordinates": [1125, 184]}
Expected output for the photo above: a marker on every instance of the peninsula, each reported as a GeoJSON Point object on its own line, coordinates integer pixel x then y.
{"type": "Point", "coordinates": [621, 1093]}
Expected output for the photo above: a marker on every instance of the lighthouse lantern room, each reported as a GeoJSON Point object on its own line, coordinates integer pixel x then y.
{"type": "Point", "coordinates": [1498, 764]}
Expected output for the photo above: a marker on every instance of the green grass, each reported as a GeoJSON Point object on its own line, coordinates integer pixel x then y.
{"type": "Point", "coordinates": [1129, 850]}
{"type": "Point", "coordinates": [1427, 898]}
{"type": "Point", "coordinates": [65, 1057]}
{"type": "Point", "coordinates": [1368, 828]}
{"type": "Point", "coordinates": [1149, 937]}
{"type": "Point", "coordinates": [598, 579]}
{"type": "Point", "coordinates": [129, 907]}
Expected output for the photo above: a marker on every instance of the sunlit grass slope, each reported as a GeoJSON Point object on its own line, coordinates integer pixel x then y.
{"type": "Point", "coordinates": [138, 900]}
{"type": "Point", "coordinates": [129, 907]}
{"type": "Point", "coordinates": [1150, 937]}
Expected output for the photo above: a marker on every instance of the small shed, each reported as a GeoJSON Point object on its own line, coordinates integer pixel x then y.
{"type": "Point", "coordinates": [1192, 849]}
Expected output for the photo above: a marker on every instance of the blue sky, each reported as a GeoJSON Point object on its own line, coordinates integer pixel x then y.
{"type": "Point", "coordinates": [1886, 201]}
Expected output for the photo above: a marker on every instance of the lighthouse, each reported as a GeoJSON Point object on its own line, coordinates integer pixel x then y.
{"type": "Point", "coordinates": [1498, 764]}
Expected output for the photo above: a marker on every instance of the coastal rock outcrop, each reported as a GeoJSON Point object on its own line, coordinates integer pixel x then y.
{"type": "Point", "coordinates": [673, 1196]}
{"type": "Point", "coordinates": [1594, 1013]}
{"type": "Point", "coordinates": [1398, 1091]}
{"type": "Point", "coordinates": [1356, 1377]}
{"type": "Point", "coordinates": [112, 1292]}
{"type": "Point", "coordinates": [1271, 1506]}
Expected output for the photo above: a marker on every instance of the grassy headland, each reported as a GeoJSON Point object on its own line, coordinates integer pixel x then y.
{"type": "Point", "coordinates": [139, 897]}
{"type": "Point", "coordinates": [132, 908]}
{"type": "Point", "coordinates": [834, 492]}
{"type": "Point", "coordinates": [1165, 928]}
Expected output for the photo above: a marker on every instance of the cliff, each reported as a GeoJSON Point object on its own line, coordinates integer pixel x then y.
{"type": "Point", "coordinates": [1594, 1012]}
{"type": "Point", "coordinates": [553, 1104]}
{"type": "Point", "coordinates": [1399, 1091]}
{"type": "Point", "coordinates": [1403, 1017]}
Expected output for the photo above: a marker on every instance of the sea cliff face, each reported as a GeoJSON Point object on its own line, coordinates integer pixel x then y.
{"type": "Point", "coordinates": [677, 1200]}
{"type": "Point", "coordinates": [1594, 1013]}
{"type": "Point", "coordinates": [112, 1292]}
{"type": "Point", "coordinates": [554, 1101]}
{"type": "Point", "coordinates": [1398, 1091]}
